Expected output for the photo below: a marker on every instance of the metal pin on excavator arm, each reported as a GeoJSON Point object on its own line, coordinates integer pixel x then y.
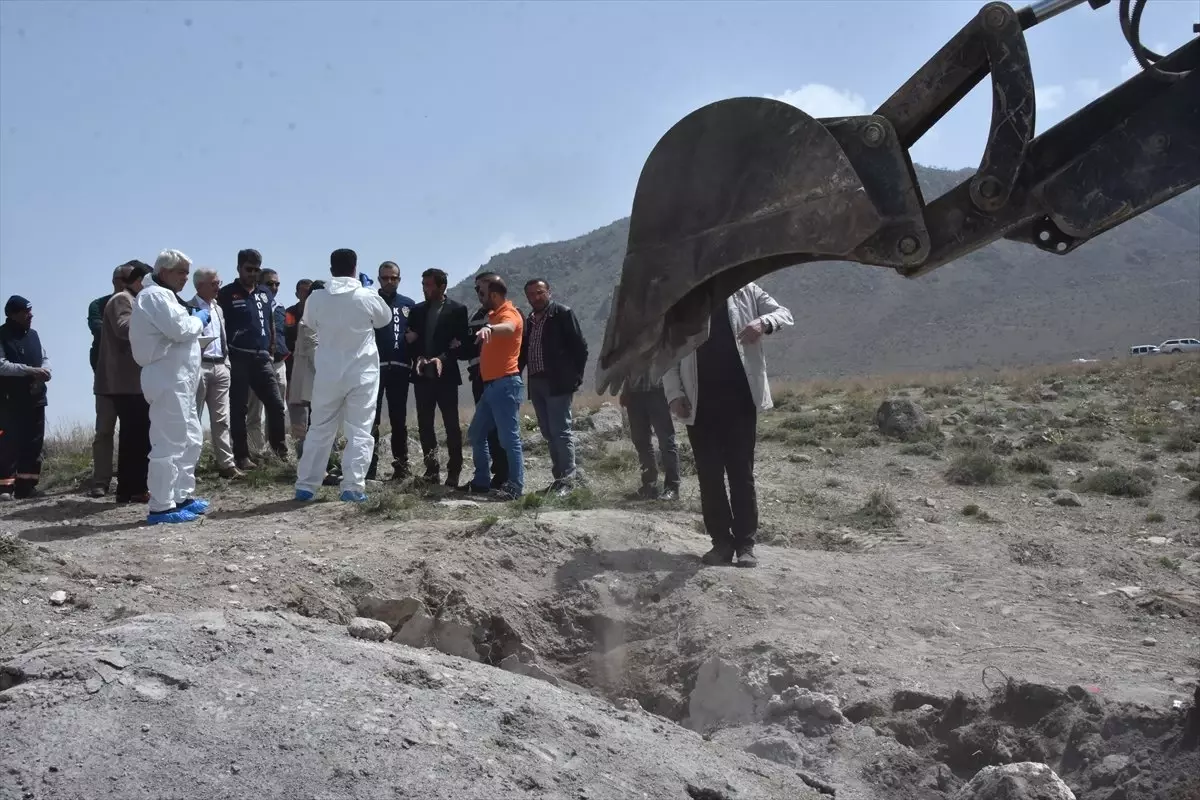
{"type": "Point", "coordinates": [744, 187]}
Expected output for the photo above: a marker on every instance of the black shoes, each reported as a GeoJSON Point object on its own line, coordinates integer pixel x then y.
{"type": "Point", "coordinates": [745, 556]}
{"type": "Point", "coordinates": [720, 555]}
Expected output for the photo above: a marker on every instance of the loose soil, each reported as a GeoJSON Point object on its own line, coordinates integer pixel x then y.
{"type": "Point", "coordinates": [902, 631]}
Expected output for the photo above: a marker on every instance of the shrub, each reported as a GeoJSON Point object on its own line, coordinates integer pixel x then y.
{"type": "Point", "coordinates": [1181, 440]}
{"type": "Point", "coordinates": [1031, 463]}
{"type": "Point", "coordinates": [1045, 482]}
{"type": "Point", "coordinates": [1154, 516]}
{"type": "Point", "coordinates": [976, 468]}
{"type": "Point", "coordinates": [1193, 493]}
{"type": "Point", "coordinates": [918, 449]}
{"type": "Point", "coordinates": [1117, 482]}
{"type": "Point", "coordinates": [1077, 452]}
{"type": "Point", "coordinates": [880, 511]}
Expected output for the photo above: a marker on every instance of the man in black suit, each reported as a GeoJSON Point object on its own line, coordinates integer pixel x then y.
{"type": "Point", "coordinates": [437, 329]}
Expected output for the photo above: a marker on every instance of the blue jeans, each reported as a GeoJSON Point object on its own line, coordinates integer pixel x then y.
{"type": "Point", "coordinates": [554, 421]}
{"type": "Point", "coordinates": [498, 409]}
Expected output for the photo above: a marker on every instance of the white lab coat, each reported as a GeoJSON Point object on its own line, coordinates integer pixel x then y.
{"type": "Point", "coordinates": [343, 317]}
{"type": "Point", "coordinates": [165, 340]}
{"type": "Point", "coordinates": [745, 305]}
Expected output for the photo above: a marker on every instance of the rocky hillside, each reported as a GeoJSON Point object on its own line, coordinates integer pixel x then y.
{"type": "Point", "coordinates": [1008, 304]}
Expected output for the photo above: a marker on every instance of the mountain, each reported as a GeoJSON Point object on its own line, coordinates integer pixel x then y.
{"type": "Point", "coordinates": [1007, 304]}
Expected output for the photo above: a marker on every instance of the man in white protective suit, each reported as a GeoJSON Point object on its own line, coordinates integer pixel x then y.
{"type": "Point", "coordinates": [164, 334]}
{"type": "Point", "coordinates": [343, 317]}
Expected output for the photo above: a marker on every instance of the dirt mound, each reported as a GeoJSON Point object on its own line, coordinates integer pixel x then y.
{"type": "Point", "coordinates": [201, 705]}
{"type": "Point", "coordinates": [1102, 750]}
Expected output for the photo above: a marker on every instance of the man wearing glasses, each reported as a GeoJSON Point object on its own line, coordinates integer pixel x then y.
{"type": "Point", "coordinates": [280, 359]}
{"type": "Point", "coordinates": [250, 332]}
{"type": "Point", "coordinates": [394, 372]}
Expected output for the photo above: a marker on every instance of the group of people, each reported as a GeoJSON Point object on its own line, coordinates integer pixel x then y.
{"type": "Point", "coordinates": [346, 352]}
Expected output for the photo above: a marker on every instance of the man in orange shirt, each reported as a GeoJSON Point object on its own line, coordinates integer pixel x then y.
{"type": "Point", "coordinates": [499, 405]}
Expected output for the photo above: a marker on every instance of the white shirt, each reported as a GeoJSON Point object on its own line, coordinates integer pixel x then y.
{"type": "Point", "coordinates": [211, 329]}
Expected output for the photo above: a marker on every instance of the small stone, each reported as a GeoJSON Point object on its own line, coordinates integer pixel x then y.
{"type": "Point", "coordinates": [930, 502]}
{"type": "Point", "coordinates": [1149, 641]}
{"type": "Point", "coordinates": [370, 629]}
{"type": "Point", "coordinates": [235, 769]}
{"type": "Point", "coordinates": [233, 587]}
{"type": "Point", "coordinates": [232, 568]}
{"type": "Point", "coordinates": [254, 580]}
{"type": "Point", "coordinates": [1067, 498]}
{"type": "Point", "coordinates": [93, 685]}
{"type": "Point", "coordinates": [58, 598]}
{"type": "Point", "coordinates": [457, 503]}
{"type": "Point", "coordinates": [458, 574]}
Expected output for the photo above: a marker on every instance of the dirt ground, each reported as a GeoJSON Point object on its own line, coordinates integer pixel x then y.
{"type": "Point", "coordinates": [1011, 575]}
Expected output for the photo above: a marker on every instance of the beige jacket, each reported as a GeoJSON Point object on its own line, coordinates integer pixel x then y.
{"type": "Point", "coordinates": [219, 317]}
{"type": "Point", "coordinates": [747, 304]}
{"type": "Point", "coordinates": [304, 366]}
{"type": "Point", "coordinates": [116, 371]}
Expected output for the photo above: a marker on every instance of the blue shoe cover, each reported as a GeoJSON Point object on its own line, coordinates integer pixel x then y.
{"type": "Point", "coordinates": [168, 517]}
{"type": "Point", "coordinates": [194, 505]}
{"type": "Point", "coordinates": [353, 497]}
{"type": "Point", "coordinates": [303, 495]}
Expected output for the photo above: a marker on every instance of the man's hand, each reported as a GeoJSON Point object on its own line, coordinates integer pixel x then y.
{"type": "Point", "coordinates": [41, 374]}
{"type": "Point", "coordinates": [455, 344]}
{"type": "Point", "coordinates": [681, 408]}
{"type": "Point", "coordinates": [484, 334]}
{"type": "Point", "coordinates": [410, 336]}
{"type": "Point", "coordinates": [752, 332]}
{"type": "Point", "coordinates": [203, 316]}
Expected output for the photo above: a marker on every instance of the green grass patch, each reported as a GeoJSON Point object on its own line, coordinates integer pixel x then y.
{"type": "Point", "coordinates": [1117, 482]}
{"type": "Point", "coordinates": [976, 468]}
{"type": "Point", "coordinates": [881, 510]}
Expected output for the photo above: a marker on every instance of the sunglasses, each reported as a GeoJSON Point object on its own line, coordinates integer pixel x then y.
{"type": "Point", "coordinates": [273, 284]}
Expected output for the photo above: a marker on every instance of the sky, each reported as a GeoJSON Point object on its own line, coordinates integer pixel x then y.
{"type": "Point", "coordinates": [431, 134]}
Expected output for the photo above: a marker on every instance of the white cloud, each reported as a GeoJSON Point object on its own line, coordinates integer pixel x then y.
{"type": "Point", "coordinates": [1089, 88]}
{"type": "Point", "coordinates": [819, 100]}
{"type": "Point", "coordinates": [1049, 97]}
{"type": "Point", "coordinates": [506, 242]}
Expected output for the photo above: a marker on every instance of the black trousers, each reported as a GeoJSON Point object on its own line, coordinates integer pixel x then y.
{"type": "Point", "coordinates": [499, 459]}
{"type": "Point", "coordinates": [649, 412]}
{"type": "Point", "coordinates": [22, 433]}
{"type": "Point", "coordinates": [723, 440]}
{"type": "Point", "coordinates": [434, 396]}
{"type": "Point", "coordinates": [393, 387]}
{"type": "Point", "coordinates": [133, 448]}
{"type": "Point", "coordinates": [255, 373]}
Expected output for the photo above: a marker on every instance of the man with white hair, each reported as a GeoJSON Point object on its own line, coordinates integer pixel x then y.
{"type": "Point", "coordinates": [213, 387]}
{"type": "Point", "coordinates": [165, 340]}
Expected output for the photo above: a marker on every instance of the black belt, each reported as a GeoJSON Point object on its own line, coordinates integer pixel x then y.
{"type": "Point", "coordinates": [502, 377]}
{"type": "Point", "coordinates": [212, 360]}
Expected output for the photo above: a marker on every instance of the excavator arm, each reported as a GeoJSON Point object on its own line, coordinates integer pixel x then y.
{"type": "Point", "coordinates": [744, 187]}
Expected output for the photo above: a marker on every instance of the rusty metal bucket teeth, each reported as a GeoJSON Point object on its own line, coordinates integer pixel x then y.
{"type": "Point", "coordinates": [735, 190]}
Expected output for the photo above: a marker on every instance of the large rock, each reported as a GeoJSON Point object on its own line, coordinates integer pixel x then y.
{"type": "Point", "coordinates": [1025, 780]}
{"type": "Point", "coordinates": [279, 706]}
{"type": "Point", "coordinates": [901, 418]}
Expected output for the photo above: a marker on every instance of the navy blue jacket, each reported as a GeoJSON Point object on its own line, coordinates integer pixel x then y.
{"type": "Point", "coordinates": [249, 321]}
{"type": "Point", "coordinates": [393, 350]}
{"type": "Point", "coordinates": [21, 347]}
{"type": "Point", "coordinates": [281, 348]}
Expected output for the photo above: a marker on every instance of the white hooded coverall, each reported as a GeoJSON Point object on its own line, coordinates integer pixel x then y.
{"type": "Point", "coordinates": [165, 340]}
{"type": "Point", "coordinates": [343, 316]}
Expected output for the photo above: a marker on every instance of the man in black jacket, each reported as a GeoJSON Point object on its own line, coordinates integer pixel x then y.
{"type": "Point", "coordinates": [250, 332]}
{"type": "Point", "coordinates": [24, 371]}
{"type": "Point", "coordinates": [555, 354]}
{"type": "Point", "coordinates": [437, 329]}
{"type": "Point", "coordinates": [394, 372]}
{"type": "Point", "coordinates": [470, 353]}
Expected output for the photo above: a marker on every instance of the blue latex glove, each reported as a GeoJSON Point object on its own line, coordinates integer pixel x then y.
{"type": "Point", "coordinates": [202, 315]}
{"type": "Point", "coordinates": [365, 280]}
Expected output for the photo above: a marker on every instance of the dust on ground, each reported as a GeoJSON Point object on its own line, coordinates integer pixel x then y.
{"type": "Point", "coordinates": [998, 569]}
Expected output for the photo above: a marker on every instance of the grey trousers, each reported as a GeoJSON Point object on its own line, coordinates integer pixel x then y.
{"type": "Point", "coordinates": [213, 391]}
{"type": "Point", "coordinates": [648, 411]}
{"type": "Point", "coordinates": [102, 443]}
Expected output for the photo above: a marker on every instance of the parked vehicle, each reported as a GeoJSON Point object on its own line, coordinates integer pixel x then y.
{"type": "Point", "coordinates": [1180, 346]}
{"type": "Point", "coordinates": [1144, 350]}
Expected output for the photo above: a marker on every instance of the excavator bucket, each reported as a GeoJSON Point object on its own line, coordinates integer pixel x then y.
{"type": "Point", "coordinates": [735, 190]}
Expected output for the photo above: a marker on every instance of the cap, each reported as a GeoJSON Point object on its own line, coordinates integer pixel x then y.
{"type": "Point", "coordinates": [17, 303]}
